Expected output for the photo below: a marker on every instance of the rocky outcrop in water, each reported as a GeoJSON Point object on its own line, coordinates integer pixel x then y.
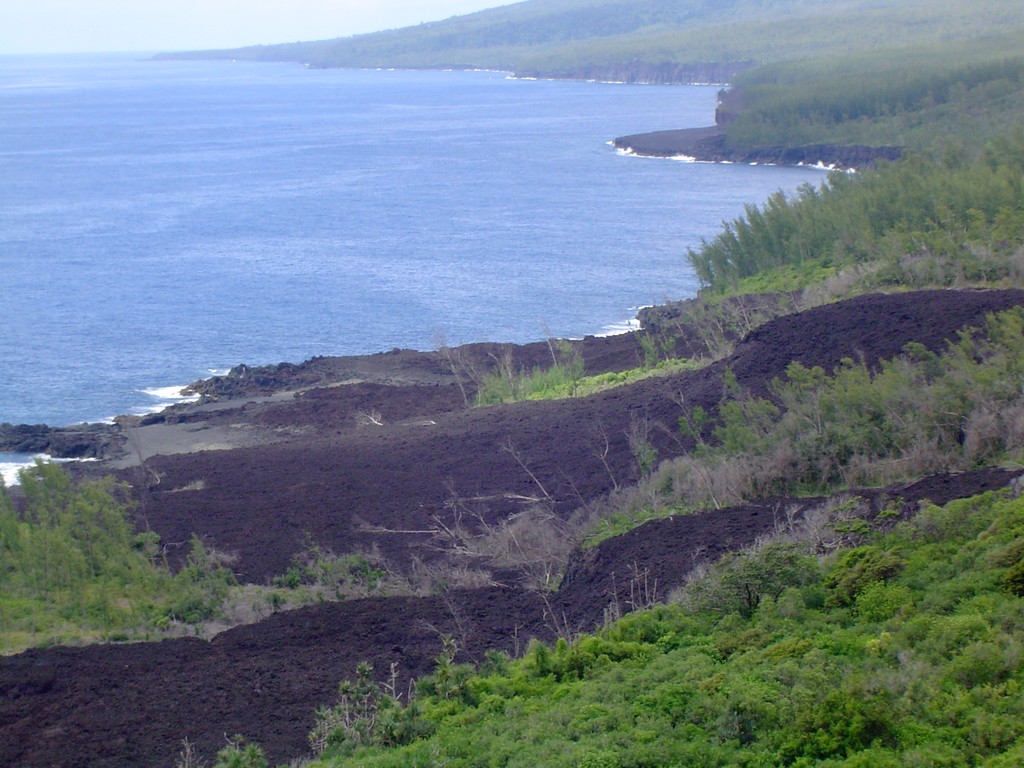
{"type": "Point", "coordinates": [709, 144]}
{"type": "Point", "coordinates": [81, 441]}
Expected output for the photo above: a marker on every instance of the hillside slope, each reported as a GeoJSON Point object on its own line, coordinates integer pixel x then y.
{"type": "Point", "coordinates": [650, 40]}
{"type": "Point", "coordinates": [132, 704]}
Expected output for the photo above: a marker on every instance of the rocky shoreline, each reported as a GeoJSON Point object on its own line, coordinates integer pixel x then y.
{"type": "Point", "coordinates": [645, 73]}
{"type": "Point", "coordinates": [80, 441]}
{"type": "Point", "coordinates": [709, 144]}
{"type": "Point", "coordinates": [213, 422]}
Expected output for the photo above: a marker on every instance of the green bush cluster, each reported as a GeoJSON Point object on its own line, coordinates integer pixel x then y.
{"type": "Point", "coordinates": [882, 99]}
{"type": "Point", "coordinates": [72, 568]}
{"type": "Point", "coordinates": [919, 413]}
{"type": "Point", "coordinates": [743, 580]}
{"type": "Point", "coordinates": [859, 569]}
{"type": "Point", "coordinates": [339, 575]}
{"type": "Point", "coordinates": [366, 714]}
{"type": "Point", "coordinates": [239, 754]}
{"type": "Point", "coordinates": [962, 217]}
{"type": "Point", "coordinates": [923, 666]}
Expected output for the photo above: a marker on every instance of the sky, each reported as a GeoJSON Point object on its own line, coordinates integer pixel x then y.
{"type": "Point", "coordinates": [97, 26]}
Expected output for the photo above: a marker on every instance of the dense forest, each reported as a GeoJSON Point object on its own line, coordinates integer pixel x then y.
{"type": "Point", "coordinates": [567, 38]}
{"type": "Point", "coordinates": [920, 98]}
{"type": "Point", "coordinates": [912, 223]}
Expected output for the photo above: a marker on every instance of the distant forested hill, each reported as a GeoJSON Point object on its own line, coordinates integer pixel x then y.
{"type": "Point", "coordinates": [653, 40]}
{"type": "Point", "coordinates": [805, 73]}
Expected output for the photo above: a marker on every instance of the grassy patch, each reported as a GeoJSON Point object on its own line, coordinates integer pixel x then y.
{"type": "Point", "coordinates": [559, 383]}
{"type": "Point", "coordinates": [783, 279]}
{"type": "Point", "coordinates": [626, 520]}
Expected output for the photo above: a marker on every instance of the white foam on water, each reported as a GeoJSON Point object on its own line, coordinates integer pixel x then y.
{"type": "Point", "coordinates": [12, 463]}
{"type": "Point", "coordinates": [680, 158]}
{"type": "Point", "coordinates": [820, 165]}
{"type": "Point", "coordinates": [162, 398]}
{"type": "Point", "coordinates": [166, 393]}
{"type": "Point", "coordinates": [616, 329]}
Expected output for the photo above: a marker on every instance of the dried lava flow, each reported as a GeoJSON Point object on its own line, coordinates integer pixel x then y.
{"type": "Point", "coordinates": [336, 484]}
{"type": "Point", "coordinates": [332, 481]}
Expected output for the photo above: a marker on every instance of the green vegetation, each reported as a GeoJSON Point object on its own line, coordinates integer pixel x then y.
{"type": "Point", "coordinates": [564, 378]}
{"type": "Point", "coordinates": [903, 651]}
{"type": "Point", "coordinates": [72, 569]}
{"type": "Point", "coordinates": [918, 98]}
{"type": "Point", "coordinates": [659, 40]}
{"type": "Point", "coordinates": [333, 576]}
{"type": "Point", "coordinates": [561, 379]}
{"type": "Point", "coordinates": [917, 414]}
{"type": "Point", "coordinates": [239, 754]}
{"type": "Point", "coordinates": [917, 222]}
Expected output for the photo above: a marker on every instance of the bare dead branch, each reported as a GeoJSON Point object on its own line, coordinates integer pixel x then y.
{"type": "Point", "coordinates": [519, 460]}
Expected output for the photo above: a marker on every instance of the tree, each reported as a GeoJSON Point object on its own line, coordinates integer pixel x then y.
{"type": "Point", "coordinates": [740, 581]}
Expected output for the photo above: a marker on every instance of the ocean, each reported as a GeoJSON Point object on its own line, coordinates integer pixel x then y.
{"type": "Point", "coordinates": [164, 221]}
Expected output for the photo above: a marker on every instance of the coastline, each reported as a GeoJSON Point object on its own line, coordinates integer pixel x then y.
{"type": "Point", "coordinates": [388, 485]}
{"type": "Point", "coordinates": [220, 412]}
{"type": "Point", "coordinates": [708, 144]}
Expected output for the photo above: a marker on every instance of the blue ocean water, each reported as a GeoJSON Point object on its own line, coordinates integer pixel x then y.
{"type": "Point", "coordinates": [160, 221]}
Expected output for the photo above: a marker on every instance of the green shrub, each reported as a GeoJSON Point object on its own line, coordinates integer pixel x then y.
{"type": "Point", "coordinates": [740, 581]}
{"type": "Point", "coordinates": [856, 570]}
{"type": "Point", "coordinates": [922, 222]}
{"type": "Point", "coordinates": [238, 754]}
{"type": "Point", "coordinates": [69, 557]}
{"type": "Point", "coordinates": [880, 601]}
{"type": "Point", "coordinates": [1014, 579]}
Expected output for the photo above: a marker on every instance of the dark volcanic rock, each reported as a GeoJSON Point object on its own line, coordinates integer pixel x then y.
{"type": "Point", "coordinates": [710, 145]}
{"type": "Point", "coordinates": [871, 328]}
{"type": "Point", "coordinates": [108, 706]}
{"type": "Point", "coordinates": [111, 706]}
{"type": "Point", "coordinates": [672, 317]}
{"type": "Point", "coordinates": [410, 367]}
{"type": "Point", "coordinates": [348, 487]}
{"type": "Point", "coordinates": [82, 441]}
{"type": "Point", "coordinates": [698, 143]}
